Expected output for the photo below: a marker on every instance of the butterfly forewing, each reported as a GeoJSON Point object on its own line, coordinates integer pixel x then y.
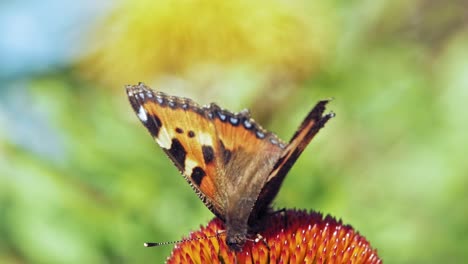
{"type": "Point", "coordinates": [218, 152]}
{"type": "Point", "coordinates": [181, 129]}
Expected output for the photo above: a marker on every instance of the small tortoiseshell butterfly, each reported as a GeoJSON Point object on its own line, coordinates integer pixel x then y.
{"type": "Point", "coordinates": [233, 164]}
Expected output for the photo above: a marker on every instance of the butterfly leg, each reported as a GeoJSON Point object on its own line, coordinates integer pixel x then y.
{"type": "Point", "coordinates": [218, 234]}
{"type": "Point", "coordinates": [259, 238]}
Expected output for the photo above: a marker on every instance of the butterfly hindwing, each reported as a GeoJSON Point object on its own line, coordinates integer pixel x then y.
{"type": "Point", "coordinates": [251, 154]}
{"type": "Point", "coordinates": [311, 125]}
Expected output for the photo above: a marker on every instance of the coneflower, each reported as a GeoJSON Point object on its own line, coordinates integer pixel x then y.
{"type": "Point", "coordinates": [294, 236]}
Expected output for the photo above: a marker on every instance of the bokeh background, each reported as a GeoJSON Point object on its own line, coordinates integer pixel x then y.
{"type": "Point", "coordinates": [81, 181]}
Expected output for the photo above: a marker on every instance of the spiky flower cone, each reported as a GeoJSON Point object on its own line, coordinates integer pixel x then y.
{"type": "Point", "coordinates": [292, 237]}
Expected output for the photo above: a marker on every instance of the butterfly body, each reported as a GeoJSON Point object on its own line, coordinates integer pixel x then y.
{"type": "Point", "coordinates": [234, 165]}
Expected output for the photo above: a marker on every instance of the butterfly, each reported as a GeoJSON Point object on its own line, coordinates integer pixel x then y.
{"type": "Point", "coordinates": [234, 165]}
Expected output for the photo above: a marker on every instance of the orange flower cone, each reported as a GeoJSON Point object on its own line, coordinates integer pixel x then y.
{"type": "Point", "coordinates": [290, 237]}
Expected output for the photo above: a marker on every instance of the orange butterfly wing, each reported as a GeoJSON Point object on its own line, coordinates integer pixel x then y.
{"type": "Point", "coordinates": [311, 125]}
{"type": "Point", "coordinates": [220, 154]}
{"type": "Point", "coordinates": [180, 127]}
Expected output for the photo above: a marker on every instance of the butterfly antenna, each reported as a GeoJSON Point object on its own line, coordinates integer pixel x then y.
{"type": "Point", "coordinates": [157, 244]}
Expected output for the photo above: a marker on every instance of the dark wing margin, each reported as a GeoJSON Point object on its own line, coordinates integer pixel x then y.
{"type": "Point", "coordinates": [311, 125]}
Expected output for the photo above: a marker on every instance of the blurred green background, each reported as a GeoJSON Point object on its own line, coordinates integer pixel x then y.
{"type": "Point", "coordinates": [81, 181]}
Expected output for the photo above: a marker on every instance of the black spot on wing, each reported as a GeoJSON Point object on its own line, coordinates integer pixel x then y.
{"type": "Point", "coordinates": [178, 153]}
{"type": "Point", "coordinates": [208, 154]}
{"type": "Point", "coordinates": [153, 125]}
{"type": "Point", "coordinates": [226, 153]}
{"type": "Point", "coordinates": [138, 97]}
{"type": "Point", "coordinates": [191, 134]}
{"type": "Point", "coordinates": [179, 130]}
{"type": "Point", "coordinates": [197, 175]}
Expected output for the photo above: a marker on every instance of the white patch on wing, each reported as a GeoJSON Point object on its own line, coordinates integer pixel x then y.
{"type": "Point", "coordinates": [142, 114]}
{"type": "Point", "coordinates": [164, 139]}
{"type": "Point", "coordinates": [189, 165]}
{"type": "Point", "coordinates": [205, 139]}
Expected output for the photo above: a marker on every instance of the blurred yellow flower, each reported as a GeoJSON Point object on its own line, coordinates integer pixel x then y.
{"type": "Point", "coordinates": [145, 40]}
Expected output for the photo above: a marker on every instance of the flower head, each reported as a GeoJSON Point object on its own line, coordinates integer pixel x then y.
{"type": "Point", "coordinates": [290, 237]}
